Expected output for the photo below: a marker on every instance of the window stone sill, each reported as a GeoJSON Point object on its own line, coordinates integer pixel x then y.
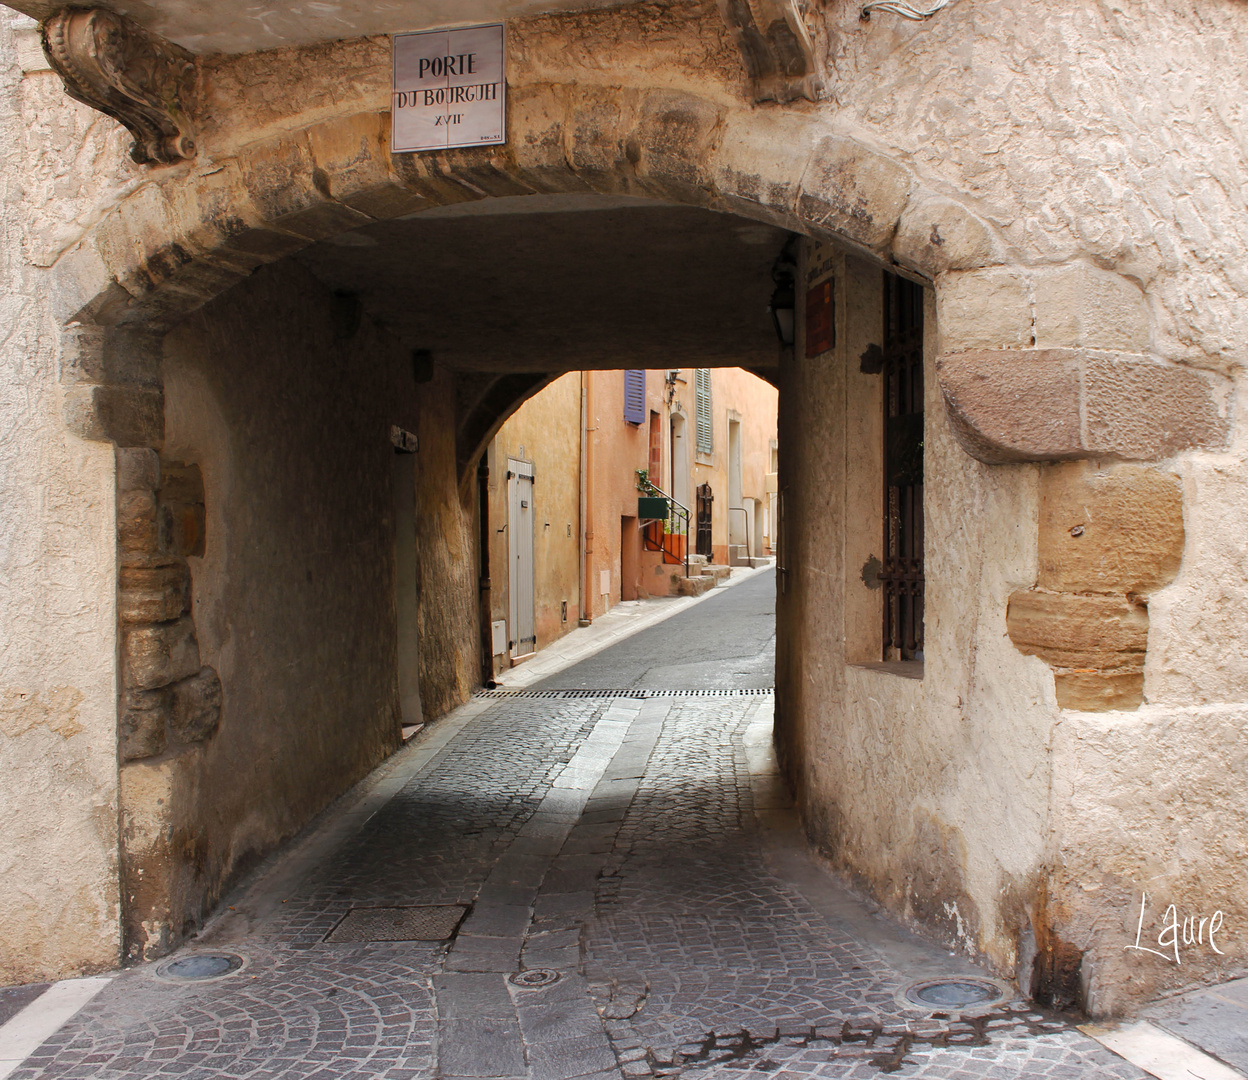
{"type": "Point", "coordinates": [905, 669]}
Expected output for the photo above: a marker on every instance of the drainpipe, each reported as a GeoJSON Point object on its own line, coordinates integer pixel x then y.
{"type": "Point", "coordinates": [587, 528]}
{"type": "Point", "coordinates": [483, 581]}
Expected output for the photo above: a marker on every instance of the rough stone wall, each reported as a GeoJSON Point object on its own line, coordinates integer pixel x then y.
{"type": "Point", "coordinates": [59, 903]}
{"type": "Point", "coordinates": [293, 586]}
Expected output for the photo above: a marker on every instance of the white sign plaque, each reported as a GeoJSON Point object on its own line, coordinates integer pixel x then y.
{"type": "Point", "coordinates": [450, 89]}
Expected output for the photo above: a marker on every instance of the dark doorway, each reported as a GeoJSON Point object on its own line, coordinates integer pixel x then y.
{"type": "Point", "coordinates": [705, 499]}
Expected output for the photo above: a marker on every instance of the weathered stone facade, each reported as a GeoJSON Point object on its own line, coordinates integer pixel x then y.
{"type": "Point", "coordinates": [1062, 177]}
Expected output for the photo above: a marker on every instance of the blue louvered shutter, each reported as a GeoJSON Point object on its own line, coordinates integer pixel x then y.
{"type": "Point", "coordinates": [635, 396]}
{"type": "Point", "coordinates": [702, 410]}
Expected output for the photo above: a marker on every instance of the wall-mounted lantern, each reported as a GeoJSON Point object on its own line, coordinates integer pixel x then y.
{"type": "Point", "coordinates": [783, 306]}
{"type": "Point", "coordinates": [784, 313]}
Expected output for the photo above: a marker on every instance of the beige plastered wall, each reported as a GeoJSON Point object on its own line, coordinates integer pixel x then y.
{"type": "Point", "coordinates": [59, 900]}
{"type": "Point", "coordinates": [546, 431]}
{"type": "Point", "coordinates": [294, 598]}
{"type": "Point", "coordinates": [933, 791]}
{"type": "Point", "coordinates": [965, 798]}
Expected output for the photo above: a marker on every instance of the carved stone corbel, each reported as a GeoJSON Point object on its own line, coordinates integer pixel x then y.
{"type": "Point", "coordinates": [784, 44]}
{"type": "Point", "coordinates": [138, 78]}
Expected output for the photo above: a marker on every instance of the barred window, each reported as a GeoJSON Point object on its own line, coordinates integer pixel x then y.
{"type": "Point", "coordinates": [902, 575]}
{"type": "Point", "coordinates": [702, 410]}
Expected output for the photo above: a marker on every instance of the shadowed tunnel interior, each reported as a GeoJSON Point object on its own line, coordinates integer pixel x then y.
{"type": "Point", "coordinates": [548, 283]}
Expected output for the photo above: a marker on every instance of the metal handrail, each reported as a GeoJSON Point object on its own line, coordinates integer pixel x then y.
{"type": "Point", "coordinates": [675, 510]}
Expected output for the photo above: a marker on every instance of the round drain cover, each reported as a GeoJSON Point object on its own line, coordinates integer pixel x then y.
{"type": "Point", "coordinates": [533, 978]}
{"type": "Point", "coordinates": [954, 993]}
{"type": "Point", "coordinates": [197, 967]}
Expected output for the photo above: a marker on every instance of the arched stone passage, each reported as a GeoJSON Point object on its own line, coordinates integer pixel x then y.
{"type": "Point", "coordinates": [1038, 361]}
{"type": "Point", "coordinates": [1037, 364]}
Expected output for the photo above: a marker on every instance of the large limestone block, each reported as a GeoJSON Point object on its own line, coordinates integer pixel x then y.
{"type": "Point", "coordinates": [1109, 530]}
{"type": "Point", "coordinates": [937, 235]}
{"type": "Point", "coordinates": [851, 191]}
{"type": "Point", "coordinates": [99, 355]}
{"type": "Point", "coordinates": [182, 512]}
{"type": "Point", "coordinates": [164, 850]}
{"type": "Point", "coordinates": [1078, 632]}
{"type": "Point", "coordinates": [1012, 405]}
{"type": "Point", "coordinates": [1099, 691]}
{"type": "Point", "coordinates": [157, 655]}
{"type": "Point", "coordinates": [121, 414]}
{"type": "Point", "coordinates": [195, 707]}
{"type": "Point", "coordinates": [352, 166]}
{"type": "Point", "coordinates": [219, 222]}
{"type": "Point", "coordinates": [154, 593]}
{"type": "Point", "coordinates": [138, 469]}
{"type": "Point", "coordinates": [280, 177]}
{"type": "Point", "coordinates": [540, 155]}
{"type": "Point", "coordinates": [673, 143]}
{"type": "Point", "coordinates": [143, 728]}
{"type": "Point", "coordinates": [138, 524]}
{"type": "Point", "coordinates": [1141, 411]}
{"type": "Point", "coordinates": [984, 309]}
{"type": "Point", "coordinates": [758, 162]}
{"type": "Point", "coordinates": [1083, 306]}
{"type": "Point", "coordinates": [599, 122]}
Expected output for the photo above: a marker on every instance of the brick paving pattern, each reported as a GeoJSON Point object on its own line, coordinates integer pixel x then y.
{"type": "Point", "coordinates": [614, 842]}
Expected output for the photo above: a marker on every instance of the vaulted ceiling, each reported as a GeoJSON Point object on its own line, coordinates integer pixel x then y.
{"type": "Point", "coordinates": [557, 283]}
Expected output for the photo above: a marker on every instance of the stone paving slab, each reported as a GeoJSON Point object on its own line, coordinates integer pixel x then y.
{"type": "Point", "coordinates": [1215, 1019]}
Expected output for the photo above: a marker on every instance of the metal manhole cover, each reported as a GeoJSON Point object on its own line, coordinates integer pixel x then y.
{"type": "Point", "coordinates": [437, 923]}
{"type": "Point", "coordinates": [954, 993]}
{"type": "Point", "coordinates": [533, 978]}
{"type": "Point", "coordinates": [199, 967]}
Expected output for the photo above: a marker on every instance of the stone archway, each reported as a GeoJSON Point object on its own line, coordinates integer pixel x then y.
{"type": "Point", "coordinates": [1040, 360]}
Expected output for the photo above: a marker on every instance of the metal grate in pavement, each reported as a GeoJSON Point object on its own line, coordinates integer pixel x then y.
{"type": "Point", "coordinates": [398, 923]}
{"type": "Point", "coordinates": [633, 693]}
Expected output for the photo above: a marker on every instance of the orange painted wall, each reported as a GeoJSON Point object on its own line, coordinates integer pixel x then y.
{"type": "Point", "coordinates": [616, 564]}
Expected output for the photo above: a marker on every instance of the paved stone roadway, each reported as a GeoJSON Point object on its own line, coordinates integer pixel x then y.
{"type": "Point", "coordinates": [620, 842]}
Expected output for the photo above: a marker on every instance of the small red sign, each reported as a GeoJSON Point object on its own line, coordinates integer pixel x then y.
{"type": "Point", "coordinates": [820, 319]}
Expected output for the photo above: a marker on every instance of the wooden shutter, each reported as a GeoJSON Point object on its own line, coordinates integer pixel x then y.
{"type": "Point", "coordinates": [704, 418]}
{"type": "Point", "coordinates": [635, 397]}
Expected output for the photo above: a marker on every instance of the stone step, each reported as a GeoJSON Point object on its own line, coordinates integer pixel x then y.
{"type": "Point", "coordinates": [697, 586]}
{"type": "Point", "coordinates": [738, 555]}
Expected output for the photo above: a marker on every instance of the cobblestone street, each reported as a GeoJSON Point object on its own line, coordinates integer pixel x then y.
{"type": "Point", "coordinates": [638, 902]}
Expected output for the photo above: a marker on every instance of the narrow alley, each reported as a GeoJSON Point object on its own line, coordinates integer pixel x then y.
{"type": "Point", "coordinates": [599, 876]}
